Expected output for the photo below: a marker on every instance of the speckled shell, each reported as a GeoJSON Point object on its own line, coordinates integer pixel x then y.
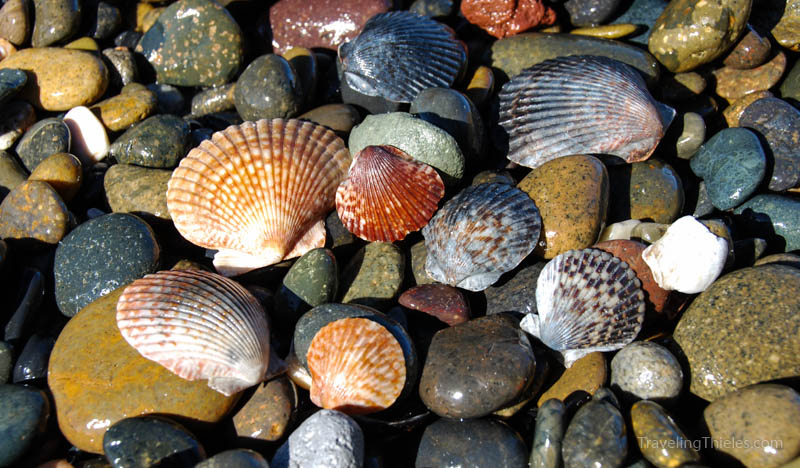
{"type": "Point", "coordinates": [199, 325]}
{"type": "Point", "coordinates": [481, 233]}
{"type": "Point", "coordinates": [398, 54]}
{"type": "Point", "coordinates": [580, 105]}
{"type": "Point", "coordinates": [387, 194]}
{"type": "Point", "coordinates": [258, 192]}
{"type": "Point", "coordinates": [357, 366]}
{"type": "Point", "coordinates": [587, 300]}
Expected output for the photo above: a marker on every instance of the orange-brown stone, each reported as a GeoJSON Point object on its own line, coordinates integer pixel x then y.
{"type": "Point", "coordinates": [503, 18]}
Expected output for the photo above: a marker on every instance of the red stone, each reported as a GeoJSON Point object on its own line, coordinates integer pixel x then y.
{"type": "Point", "coordinates": [444, 302]}
{"type": "Point", "coordinates": [502, 18]}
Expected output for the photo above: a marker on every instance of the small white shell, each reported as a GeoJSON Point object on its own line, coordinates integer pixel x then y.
{"type": "Point", "coordinates": [687, 258]}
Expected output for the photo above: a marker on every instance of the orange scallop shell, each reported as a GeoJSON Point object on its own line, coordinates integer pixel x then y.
{"type": "Point", "coordinates": [357, 366]}
{"type": "Point", "coordinates": [258, 192]}
{"type": "Point", "coordinates": [387, 194]}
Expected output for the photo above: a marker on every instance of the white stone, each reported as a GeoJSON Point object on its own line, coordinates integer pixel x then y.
{"type": "Point", "coordinates": [687, 258]}
{"type": "Point", "coordinates": [620, 230]}
{"type": "Point", "coordinates": [328, 438]}
{"type": "Point", "coordinates": [89, 138]}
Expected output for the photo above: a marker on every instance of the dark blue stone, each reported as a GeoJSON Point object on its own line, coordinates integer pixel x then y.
{"type": "Point", "coordinates": [11, 82]}
{"type": "Point", "coordinates": [150, 441]}
{"type": "Point", "coordinates": [775, 218]}
{"type": "Point", "coordinates": [23, 415]}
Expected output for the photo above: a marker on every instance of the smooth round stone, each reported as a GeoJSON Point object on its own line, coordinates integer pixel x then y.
{"type": "Point", "coordinates": [159, 141]}
{"type": "Point", "coordinates": [312, 280]}
{"type": "Point", "coordinates": [122, 69]}
{"type": "Point", "coordinates": [12, 175]}
{"type": "Point", "coordinates": [128, 38]}
{"type": "Point", "coordinates": [621, 230]}
{"type": "Point", "coordinates": [588, 374]}
{"type": "Point", "coordinates": [646, 370]}
{"type": "Point", "coordinates": [432, 8]}
{"type": "Point", "coordinates": [690, 33]}
{"type": "Point", "coordinates": [268, 89]}
{"type": "Point", "coordinates": [781, 259]}
{"type": "Point", "coordinates": [790, 88]}
{"type": "Point", "coordinates": [642, 13]}
{"type": "Point", "coordinates": [304, 63]}
{"type": "Point", "coordinates": [609, 31]}
{"type": "Point", "coordinates": [751, 51]}
{"type": "Point", "coordinates": [762, 297]}
{"type": "Point", "coordinates": [148, 441]}
{"type": "Point", "coordinates": [337, 237]}
{"type": "Point", "coordinates": [235, 458]}
{"type": "Point", "coordinates": [327, 438]}
{"type": "Point", "coordinates": [11, 82]}
{"type": "Point", "coordinates": [140, 190]}
{"type": "Point", "coordinates": [649, 232]}
{"type": "Point", "coordinates": [572, 196]}
{"type": "Point", "coordinates": [23, 416]}
{"type": "Point", "coordinates": [776, 216]}
{"type": "Point", "coordinates": [692, 136]}
{"type": "Point", "coordinates": [586, 444]}
{"type": "Point", "coordinates": [15, 118]}
{"type": "Point", "coordinates": [107, 21]}
{"type": "Point", "coordinates": [56, 21]}
{"type": "Point", "coordinates": [374, 276]}
{"type": "Point", "coordinates": [444, 302]}
{"type": "Point", "coordinates": [6, 361]}
{"type": "Point", "coordinates": [101, 255]}
{"type": "Point", "coordinates": [765, 416]}
{"type": "Point", "coordinates": [649, 189]}
{"type": "Point", "coordinates": [268, 412]}
{"type": "Point", "coordinates": [786, 30]}
{"type": "Point", "coordinates": [45, 137]}
{"type": "Point", "coordinates": [34, 211]}
{"type": "Point", "coordinates": [422, 141]}
{"type": "Point", "coordinates": [779, 123]}
{"type": "Point", "coordinates": [590, 12]}
{"type": "Point", "coordinates": [89, 140]}
{"type": "Point", "coordinates": [126, 109]}
{"type": "Point", "coordinates": [548, 435]}
{"type": "Point", "coordinates": [477, 367]}
{"type": "Point", "coordinates": [194, 43]}
{"type": "Point", "coordinates": [65, 78]}
{"type": "Point", "coordinates": [341, 118]}
{"type": "Point", "coordinates": [475, 442]}
{"type": "Point", "coordinates": [216, 99]}
{"type": "Point", "coordinates": [97, 379]}
{"type": "Point", "coordinates": [516, 294]}
{"type": "Point", "coordinates": [15, 21]}
{"type": "Point", "coordinates": [31, 364]}
{"type": "Point", "coordinates": [733, 83]}
{"type": "Point", "coordinates": [419, 254]}
{"type": "Point", "coordinates": [660, 440]}
{"type": "Point", "coordinates": [63, 172]}
{"type": "Point", "coordinates": [454, 113]}
{"type": "Point", "coordinates": [734, 111]}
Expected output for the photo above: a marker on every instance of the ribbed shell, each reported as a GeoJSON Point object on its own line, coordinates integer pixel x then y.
{"type": "Point", "coordinates": [481, 233]}
{"type": "Point", "coordinates": [387, 194]}
{"type": "Point", "coordinates": [258, 192]}
{"type": "Point", "coordinates": [580, 105]}
{"type": "Point", "coordinates": [199, 325]}
{"type": "Point", "coordinates": [357, 366]}
{"type": "Point", "coordinates": [588, 300]}
{"type": "Point", "coordinates": [398, 54]}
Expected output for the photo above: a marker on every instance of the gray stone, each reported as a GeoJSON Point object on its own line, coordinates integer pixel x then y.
{"type": "Point", "coordinates": [454, 113]}
{"type": "Point", "coordinates": [45, 137]}
{"type": "Point", "coordinates": [779, 123]}
{"type": "Point", "coordinates": [327, 438]}
{"type": "Point", "coordinates": [590, 12]}
{"type": "Point", "coordinates": [775, 218]}
{"type": "Point", "coordinates": [470, 443]}
{"type": "Point", "coordinates": [23, 416]}
{"type": "Point", "coordinates": [235, 458]}
{"type": "Point", "coordinates": [56, 21]}
{"type": "Point", "coordinates": [596, 436]}
{"type": "Point", "coordinates": [548, 435]}
{"type": "Point", "coordinates": [646, 370]}
{"type": "Point", "coordinates": [159, 141]}
{"type": "Point", "coordinates": [267, 89]}
{"type": "Point", "coordinates": [150, 441]}
{"type": "Point", "coordinates": [312, 280]}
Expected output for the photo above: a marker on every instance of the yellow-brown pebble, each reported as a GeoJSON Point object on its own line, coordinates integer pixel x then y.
{"type": "Point", "coordinates": [608, 31]}
{"type": "Point", "coordinates": [62, 171]}
{"type": "Point", "coordinates": [83, 43]}
{"type": "Point", "coordinates": [34, 211]}
{"type": "Point", "coordinates": [139, 190]}
{"type": "Point", "coordinates": [123, 110]}
{"type": "Point", "coordinates": [480, 85]}
{"type": "Point", "coordinates": [572, 196]}
{"type": "Point", "coordinates": [733, 84]}
{"type": "Point", "coordinates": [737, 107]}
{"type": "Point", "coordinates": [587, 374]}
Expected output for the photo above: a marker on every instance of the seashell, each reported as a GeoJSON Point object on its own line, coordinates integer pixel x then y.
{"type": "Point", "coordinates": [387, 194]}
{"type": "Point", "coordinates": [199, 325]}
{"type": "Point", "coordinates": [687, 258]}
{"type": "Point", "coordinates": [587, 300]}
{"type": "Point", "coordinates": [398, 54]}
{"type": "Point", "coordinates": [258, 192]}
{"type": "Point", "coordinates": [357, 366]}
{"type": "Point", "coordinates": [580, 105]}
{"type": "Point", "coordinates": [481, 233]}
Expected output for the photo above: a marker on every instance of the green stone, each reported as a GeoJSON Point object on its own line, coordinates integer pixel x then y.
{"type": "Point", "coordinates": [34, 212]}
{"type": "Point", "coordinates": [774, 217]}
{"type": "Point", "coordinates": [6, 361]}
{"type": "Point", "coordinates": [648, 190]}
{"type": "Point", "coordinates": [268, 89]}
{"type": "Point", "coordinates": [374, 276]}
{"type": "Point", "coordinates": [159, 141]}
{"type": "Point", "coordinates": [23, 415]}
{"type": "Point", "coordinates": [140, 190]}
{"type": "Point", "coordinates": [11, 173]}
{"type": "Point", "coordinates": [312, 280]}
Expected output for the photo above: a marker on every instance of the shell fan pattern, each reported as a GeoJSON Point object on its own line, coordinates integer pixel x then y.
{"type": "Point", "coordinates": [199, 325]}
{"type": "Point", "coordinates": [587, 300]}
{"type": "Point", "coordinates": [481, 233]}
{"type": "Point", "coordinates": [580, 105]}
{"type": "Point", "coordinates": [258, 192]}
{"type": "Point", "coordinates": [398, 54]}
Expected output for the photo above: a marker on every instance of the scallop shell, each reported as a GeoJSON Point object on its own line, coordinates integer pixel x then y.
{"type": "Point", "coordinates": [387, 194]}
{"type": "Point", "coordinates": [357, 366]}
{"type": "Point", "coordinates": [398, 54]}
{"type": "Point", "coordinates": [481, 233]}
{"type": "Point", "coordinates": [199, 325]}
{"type": "Point", "coordinates": [587, 300]}
{"type": "Point", "coordinates": [580, 105]}
{"type": "Point", "coordinates": [258, 192]}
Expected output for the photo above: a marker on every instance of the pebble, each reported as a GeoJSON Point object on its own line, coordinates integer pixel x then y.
{"type": "Point", "coordinates": [477, 367]}
{"type": "Point", "coordinates": [23, 416]}
{"type": "Point", "coordinates": [660, 440]}
{"type": "Point", "coordinates": [107, 21]}
{"type": "Point", "coordinates": [56, 21]}
{"type": "Point", "coordinates": [126, 109]}
{"type": "Point", "coordinates": [121, 66]}
{"type": "Point", "coordinates": [267, 89]}
{"type": "Point", "coordinates": [763, 419]}
{"type": "Point", "coordinates": [548, 435]}
{"type": "Point", "coordinates": [101, 255]}
{"type": "Point", "coordinates": [63, 171]}
{"type": "Point", "coordinates": [786, 30]}
{"type": "Point", "coordinates": [733, 83]}
{"type": "Point", "coordinates": [584, 445]}
{"type": "Point", "coordinates": [790, 88]}
{"type": "Point", "coordinates": [88, 138]}
{"type": "Point", "coordinates": [646, 370]}
{"type": "Point", "coordinates": [454, 113]}
{"type": "Point", "coordinates": [148, 441]}
{"type": "Point", "coordinates": [15, 118]}
{"type": "Point", "coordinates": [216, 99]}
{"type": "Point", "coordinates": [572, 196]}
{"type": "Point", "coordinates": [311, 281]}
{"type": "Point", "coordinates": [444, 302]}
{"type": "Point", "coordinates": [139, 190]}
{"type": "Point", "coordinates": [31, 366]}
{"type": "Point", "coordinates": [159, 141]}
{"type": "Point", "coordinates": [235, 458]}
{"type": "Point", "coordinates": [6, 361]}
{"type": "Point", "coordinates": [341, 118]}
{"type": "Point", "coordinates": [649, 189]}
{"type": "Point", "coordinates": [194, 43]}
{"type": "Point", "coordinates": [97, 379]}
{"type": "Point", "coordinates": [34, 213]}
{"type": "Point", "coordinates": [44, 138]}
{"type": "Point", "coordinates": [304, 63]}
{"type": "Point", "coordinates": [621, 230]}
{"type": "Point", "coordinates": [775, 216]}
{"type": "Point", "coordinates": [11, 82]}
{"type": "Point", "coordinates": [268, 412]}
{"type": "Point", "coordinates": [419, 254]}
{"type": "Point", "coordinates": [15, 21]}
{"type": "Point", "coordinates": [480, 85]}
{"type": "Point", "coordinates": [588, 374]}
{"type": "Point", "coordinates": [326, 438]}
{"type": "Point", "coordinates": [763, 298]}
{"type": "Point", "coordinates": [374, 276]}
{"type": "Point", "coordinates": [682, 86]}
{"type": "Point", "coordinates": [692, 135]}
{"type": "Point", "coordinates": [507, 18]}
{"type": "Point", "coordinates": [590, 12]}
{"type": "Point", "coordinates": [779, 123]}
{"type": "Point", "coordinates": [781, 259]}
{"type": "Point", "coordinates": [649, 232]}
{"type": "Point", "coordinates": [12, 175]}
{"type": "Point", "coordinates": [422, 141]}
{"type": "Point", "coordinates": [751, 51]}
{"type": "Point", "coordinates": [65, 78]}
{"type": "Point", "coordinates": [733, 164]}
{"type": "Point", "coordinates": [472, 442]}
{"type": "Point", "coordinates": [432, 8]}
{"type": "Point", "coordinates": [83, 43]}
{"type": "Point", "coordinates": [169, 98]}
{"type": "Point", "coordinates": [642, 13]}
{"type": "Point", "coordinates": [734, 111]}
{"type": "Point", "coordinates": [31, 293]}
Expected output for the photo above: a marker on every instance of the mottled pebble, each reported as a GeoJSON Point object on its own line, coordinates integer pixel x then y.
{"type": "Point", "coordinates": [432, 8]}
{"type": "Point", "coordinates": [649, 189]}
{"type": "Point", "coordinates": [121, 66]}
{"type": "Point", "coordinates": [548, 435]}
{"type": "Point", "coordinates": [692, 135]}
{"type": "Point", "coordinates": [23, 415]}
{"type": "Point", "coordinates": [775, 217]}
{"type": "Point", "coordinates": [588, 374]}
{"type": "Point", "coordinates": [107, 20]}
{"type": "Point", "coordinates": [31, 366]}
{"type": "Point", "coordinates": [585, 445]}
{"type": "Point", "coordinates": [88, 138]}
{"type": "Point", "coordinates": [126, 109]}
{"type": "Point", "coordinates": [790, 88]}
{"type": "Point", "coordinates": [327, 438]}
{"type": "Point", "coordinates": [312, 280]}
{"type": "Point", "coordinates": [12, 175]}
{"type": "Point", "coordinates": [646, 370]}
{"type": "Point", "coordinates": [216, 99]}
{"type": "Point", "coordinates": [235, 458]}
{"type": "Point", "coordinates": [159, 142]}
{"type": "Point", "coordinates": [16, 117]}
{"type": "Point", "coordinates": [341, 118]}
{"type": "Point", "coordinates": [516, 293]}
{"type": "Point", "coordinates": [15, 21]}
{"type": "Point", "coordinates": [374, 276]}
{"type": "Point", "coordinates": [140, 190]}
{"type": "Point", "coordinates": [34, 212]}
{"type": "Point", "coordinates": [45, 137]}
{"type": "Point", "coordinates": [503, 19]}
{"type": "Point", "coordinates": [472, 442]}
{"type": "Point", "coordinates": [660, 439]}
{"type": "Point", "coordinates": [786, 30]}
{"type": "Point", "coordinates": [779, 123]}
{"type": "Point", "coordinates": [6, 361]}
{"type": "Point", "coordinates": [419, 254]}
{"type": "Point", "coordinates": [590, 12]}
{"type": "Point", "coordinates": [734, 111]}
{"type": "Point", "coordinates": [148, 441]}
{"type": "Point", "coordinates": [56, 21]}
{"type": "Point", "coordinates": [267, 89]}
{"type": "Point", "coordinates": [444, 302]}
{"type": "Point", "coordinates": [751, 51]}
{"type": "Point", "coordinates": [733, 83]}
{"type": "Point", "coordinates": [268, 412]}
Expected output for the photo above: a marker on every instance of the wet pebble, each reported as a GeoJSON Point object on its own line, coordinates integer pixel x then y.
{"type": "Point", "coordinates": [107, 20]}
{"type": "Point", "coordinates": [268, 412]}
{"type": "Point", "coordinates": [751, 51]}
{"type": "Point", "coordinates": [775, 217]}
{"type": "Point", "coordinates": [548, 435]}
{"type": "Point", "coordinates": [584, 445]}
{"type": "Point", "coordinates": [340, 118]}
{"type": "Point", "coordinates": [88, 138]}
{"type": "Point", "coordinates": [268, 88]}
{"type": "Point", "coordinates": [45, 137]}
{"type": "Point", "coordinates": [63, 171]}
{"type": "Point", "coordinates": [16, 117]}
{"type": "Point", "coordinates": [779, 123]}
{"type": "Point", "coordinates": [733, 83]}
{"type": "Point", "coordinates": [15, 21]}
{"type": "Point", "coordinates": [6, 361]}
{"type": "Point", "coordinates": [734, 111]}
{"type": "Point", "coordinates": [786, 31]}
{"type": "Point", "coordinates": [590, 12]}
{"type": "Point", "coordinates": [216, 99]}
{"type": "Point", "coordinates": [121, 66]}
{"type": "Point", "coordinates": [660, 439]}
{"type": "Point", "coordinates": [34, 212]}
{"type": "Point", "coordinates": [588, 374]}
{"type": "Point", "coordinates": [31, 292]}
{"type": "Point", "coordinates": [11, 82]}
{"type": "Point", "coordinates": [517, 293]}
{"type": "Point", "coordinates": [649, 190]}
{"type": "Point", "coordinates": [327, 437]}
{"type": "Point", "coordinates": [126, 109]}
{"type": "Point", "coordinates": [159, 142]}
{"type": "Point", "coordinates": [419, 254]}
{"type": "Point", "coordinates": [140, 190]}
{"type": "Point", "coordinates": [444, 302]}
{"type": "Point", "coordinates": [12, 175]}
{"type": "Point", "coordinates": [649, 232]}
{"type": "Point", "coordinates": [454, 113]}
{"type": "Point", "coordinates": [646, 370]}
{"type": "Point", "coordinates": [507, 18]}
{"type": "Point", "coordinates": [56, 21]}
{"type": "Point", "coordinates": [374, 276]}
{"type": "Point", "coordinates": [23, 415]}
{"type": "Point", "coordinates": [692, 136]}
{"type": "Point", "coordinates": [169, 98]}
{"type": "Point", "coordinates": [311, 281]}
{"type": "Point", "coordinates": [235, 458]}
{"type": "Point", "coordinates": [790, 88]}
{"type": "Point", "coordinates": [432, 8]}
{"type": "Point", "coordinates": [147, 441]}
{"type": "Point", "coordinates": [642, 13]}
{"type": "Point", "coordinates": [472, 442]}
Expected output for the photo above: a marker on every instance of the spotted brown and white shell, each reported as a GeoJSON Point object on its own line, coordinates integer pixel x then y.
{"type": "Point", "coordinates": [199, 325]}
{"type": "Point", "coordinates": [580, 105]}
{"type": "Point", "coordinates": [357, 366]}
{"type": "Point", "coordinates": [481, 233]}
{"type": "Point", "coordinates": [387, 194]}
{"type": "Point", "coordinates": [258, 192]}
{"type": "Point", "coordinates": [587, 300]}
